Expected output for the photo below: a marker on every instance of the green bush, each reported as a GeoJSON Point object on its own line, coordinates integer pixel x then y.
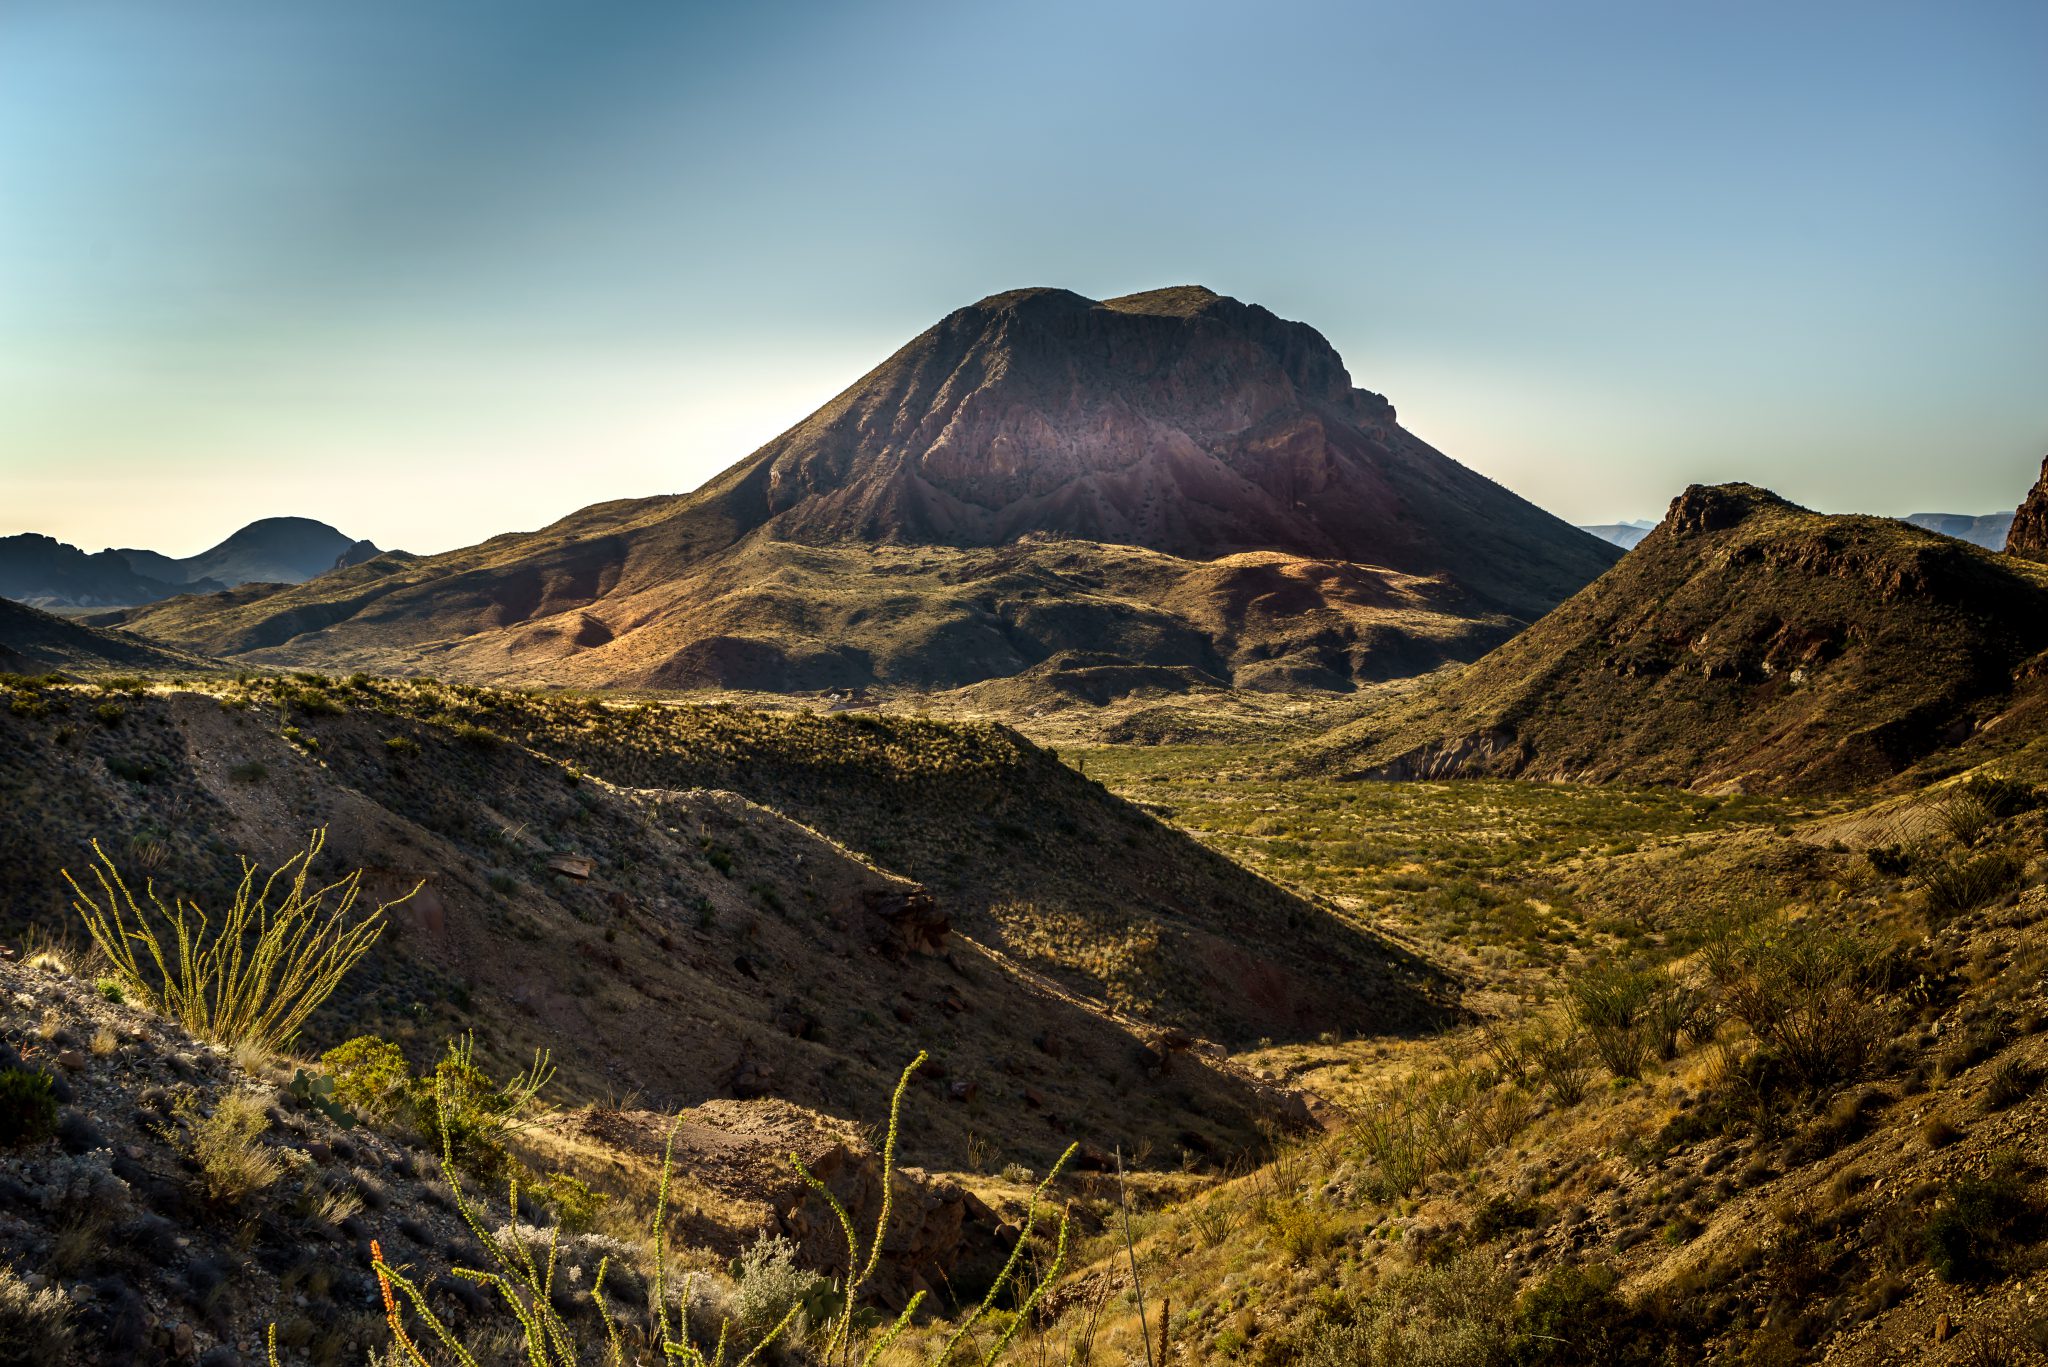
{"type": "Point", "coordinates": [1976, 1226]}
{"type": "Point", "coordinates": [28, 1107]}
{"type": "Point", "coordinates": [370, 1076]}
{"type": "Point", "coordinates": [574, 1205]}
{"type": "Point", "coordinates": [1806, 990]}
{"type": "Point", "coordinates": [1575, 1315]}
{"type": "Point", "coordinates": [458, 1101]}
{"type": "Point", "coordinates": [1965, 883]}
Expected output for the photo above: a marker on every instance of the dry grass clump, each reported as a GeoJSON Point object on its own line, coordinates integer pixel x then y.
{"type": "Point", "coordinates": [273, 957]}
{"type": "Point", "coordinates": [35, 1326]}
{"type": "Point", "coordinates": [234, 1163]}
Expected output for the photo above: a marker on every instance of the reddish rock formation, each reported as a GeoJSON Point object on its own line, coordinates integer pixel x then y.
{"type": "Point", "coordinates": [1179, 420]}
{"type": "Point", "coordinates": [2028, 537]}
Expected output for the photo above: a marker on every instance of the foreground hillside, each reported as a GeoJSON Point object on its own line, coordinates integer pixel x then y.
{"type": "Point", "coordinates": [1752, 1080]}
{"type": "Point", "coordinates": [1171, 481]}
{"type": "Point", "coordinates": [1759, 1081]}
{"type": "Point", "coordinates": [1746, 643]}
{"type": "Point", "coordinates": [658, 897]}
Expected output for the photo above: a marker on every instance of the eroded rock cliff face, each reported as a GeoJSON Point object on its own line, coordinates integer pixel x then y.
{"type": "Point", "coordinates": [2029, 534]}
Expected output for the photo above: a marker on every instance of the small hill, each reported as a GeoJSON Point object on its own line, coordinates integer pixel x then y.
{"type": "Point", "coordinates": [271, 550]}
{"type": "Point", "coordinates": [1746, 643]}
{"type": "Point", "coordinates": [34, 642]}
{"type": "Point", "coordinates": [1176, 479]}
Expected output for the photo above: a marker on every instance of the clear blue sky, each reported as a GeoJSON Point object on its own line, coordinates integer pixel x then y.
{"type": "Point", "coordinates": [432, 270]}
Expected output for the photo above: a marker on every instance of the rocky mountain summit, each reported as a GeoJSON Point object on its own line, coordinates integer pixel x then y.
{"type": "Point", "coordinates": [1179, 420]}
{"type": "Point", "coordinates": [1174, 480]}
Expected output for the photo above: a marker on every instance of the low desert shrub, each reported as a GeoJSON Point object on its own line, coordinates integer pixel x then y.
{"type": "Point", "coordinates": [769, 1289]}
{"type": "Point", "coordinates": [234, 1163]}
{"type": "Point", "coordinates": [1966, 882]}
{"type": "Point", "coordinates": [28, 1107]}
{"type": "Point", "coordinates": [1977, 1224]}
{"type": "Point", "coordinates": [2012, 1081]}
{"type": "Point", "coordinates": [1807, 991]}
{"type": "Point", "coordinates": [371, 1077]}
{"type": "Point", "coordinates": [1575, 1314]}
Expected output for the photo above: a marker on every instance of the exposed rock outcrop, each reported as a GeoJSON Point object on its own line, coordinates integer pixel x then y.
{"type": "Point", "coordinates": [2028, 536]}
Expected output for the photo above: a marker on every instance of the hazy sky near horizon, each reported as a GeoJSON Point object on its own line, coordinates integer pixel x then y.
{"type": "Point", "coordinates": [436, 269]}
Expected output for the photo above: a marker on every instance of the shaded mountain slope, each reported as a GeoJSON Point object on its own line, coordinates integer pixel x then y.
{"type": "Point", "coordinates": [1176, 478]}
{"type": "Point", "coordinates": [33, 642]}
{"type": "Point", "coordinates": [1746, 642]}
{"type": "Point", "coordinates": [678, 944]}
{"type": "Point", "coordinates": [44, 572]}
{"type": "Point", "coordinates": [1018, 848]}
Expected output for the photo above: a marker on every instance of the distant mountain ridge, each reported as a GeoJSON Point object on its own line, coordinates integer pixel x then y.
{"type": "Point", "coordinates": [1173, 480]}
{"type": "Point", "coordinates": [1622, 534]}
{"type": "Point", "coordinates": [1979, 529]}
{"type": "Point", "coordinates": [48, 573]}
{"type": "Point", "coordinates": [270, 550]}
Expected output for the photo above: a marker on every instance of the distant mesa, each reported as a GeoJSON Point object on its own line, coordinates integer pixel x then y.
{"type": "Point", "coordinates": [1979, 529]}
{"type": "Point", "coordinates": [50, 574]}
{"type": "Point", "coordinates": [1622, 534]}
{"type": "Point", "coordinates": [1171, 480]}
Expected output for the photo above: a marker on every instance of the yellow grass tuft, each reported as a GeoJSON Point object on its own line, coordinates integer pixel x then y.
{"type": "Point", "coordinates": [254, 976]}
